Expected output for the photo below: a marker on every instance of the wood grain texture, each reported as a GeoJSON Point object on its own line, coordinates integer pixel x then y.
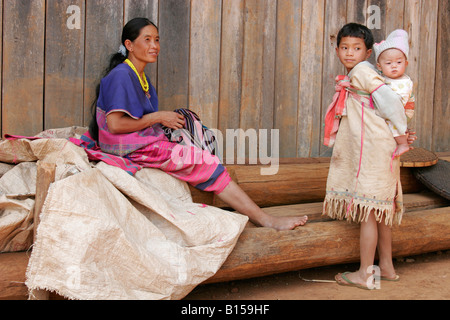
{"type": "Point", "coordinates": [23, 66]}
{"type": "Point", "coordinates": [309, 121]}
{"type": "Point", "coordinates": [423, 116]}
{"type": "Point", "coordinates": [173, 61]}
{"type": "Point", "coordinates": [204, 60]}
{"type": "Point", "coordinates": [239, 63]}
{"type": "Point", "coordinates": [334, 20]}
{"type": "Point", "coordinates": [231, 67]}
{"type": "Point", "coordinates": [104, 22]}
{"type": "Point", "coordinates": [64, 62]}
{"type": "Point", "coordinates": [287, 74]}
{"type": "Point", "coordinates": [441, 104]}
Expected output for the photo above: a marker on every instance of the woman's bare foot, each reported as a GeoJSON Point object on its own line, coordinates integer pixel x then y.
{"type": "Point", "coordinates": [283, 223]}
{"type": "Point", "coordinates": [241, 202]}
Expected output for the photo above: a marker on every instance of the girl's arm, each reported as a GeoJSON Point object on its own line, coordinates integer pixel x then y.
{"type": "Point", "coordinates": [120, 122]}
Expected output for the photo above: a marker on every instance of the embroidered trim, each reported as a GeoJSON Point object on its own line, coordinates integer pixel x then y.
{"type": "Point", "coordinates": [359, 197]}
{"type": "Point", "coordinates": [336, 206]}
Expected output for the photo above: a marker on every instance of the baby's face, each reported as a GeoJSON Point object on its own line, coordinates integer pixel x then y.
{"type": "Point", "coordinates": [392, 63]}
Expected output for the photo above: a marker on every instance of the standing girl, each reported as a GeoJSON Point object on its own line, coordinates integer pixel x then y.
{"type": "Point", "coordinates": [364, 180]}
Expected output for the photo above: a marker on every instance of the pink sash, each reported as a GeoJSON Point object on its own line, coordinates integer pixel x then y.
{"type": "Point", "coordinates": [335, 110]}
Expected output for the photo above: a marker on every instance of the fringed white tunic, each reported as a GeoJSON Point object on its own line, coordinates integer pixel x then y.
{"type": "Point", "coordinates": [364, 179]}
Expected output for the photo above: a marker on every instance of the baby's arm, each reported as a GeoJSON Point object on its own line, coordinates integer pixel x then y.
{"type": "Point", "coordinates": [390, 107]}
{"type": "Point", "coordinates": [388, 103]}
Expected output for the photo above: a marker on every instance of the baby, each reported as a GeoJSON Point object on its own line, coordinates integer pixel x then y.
{"type": "Point", "coordinates": [392, 60]}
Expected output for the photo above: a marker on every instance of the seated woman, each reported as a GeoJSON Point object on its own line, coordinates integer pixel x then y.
{"type": "Point", "coordinates": [127, 123]}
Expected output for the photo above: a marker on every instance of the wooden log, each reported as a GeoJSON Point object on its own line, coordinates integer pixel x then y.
{"type": "Point", "coordinates": [297, 181]}
{"type": "Point", "coordinates": [264, 251]}
{"type": "Point", "coordinates": [254, 240]}
{"type": "Point", "coordinates": [12, 275]}
{"type": "Point", "coordinates": [412, 202]}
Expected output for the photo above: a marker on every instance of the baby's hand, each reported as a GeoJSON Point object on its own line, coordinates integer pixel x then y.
{"type": "Point", "coordinates": [411, 136]}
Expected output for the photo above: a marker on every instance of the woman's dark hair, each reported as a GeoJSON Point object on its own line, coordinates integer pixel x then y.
{"type": "Point", "coordinates": [131, 31]}
{"type": "Point", "coordinates": [358, 31]}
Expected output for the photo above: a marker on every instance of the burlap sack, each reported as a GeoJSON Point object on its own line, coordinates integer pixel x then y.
{"type": "Point", "coordinates": [105, 234]}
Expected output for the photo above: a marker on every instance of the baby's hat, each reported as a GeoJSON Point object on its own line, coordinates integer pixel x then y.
{"type": "Point", "coordinates": [398, 39]}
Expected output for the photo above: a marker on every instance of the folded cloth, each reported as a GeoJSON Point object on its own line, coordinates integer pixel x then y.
{"type": "Point", "coordinates": [107, 234]}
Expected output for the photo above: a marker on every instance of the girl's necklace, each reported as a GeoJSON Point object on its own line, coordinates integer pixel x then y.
{"type": "Point", "coordinates": [144, 83]}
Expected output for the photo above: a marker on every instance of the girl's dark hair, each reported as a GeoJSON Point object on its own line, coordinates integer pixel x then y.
{"type": "Point", "coordinates": [358, 31]}
{"type": "Point", "coordinates": [131, 31]}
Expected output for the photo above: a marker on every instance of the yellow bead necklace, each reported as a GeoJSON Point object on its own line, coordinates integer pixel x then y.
{"type": "Point", "coordinates": [144, 83]}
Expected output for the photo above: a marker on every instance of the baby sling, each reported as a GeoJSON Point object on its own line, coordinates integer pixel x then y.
{"type": "Point", "coordinates": [335, 112]}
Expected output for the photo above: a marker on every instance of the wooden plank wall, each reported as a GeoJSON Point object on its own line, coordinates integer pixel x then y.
{"type": "Point", "coordinates": [249, 64]}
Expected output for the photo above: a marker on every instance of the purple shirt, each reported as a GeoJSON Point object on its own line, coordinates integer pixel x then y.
{"type": "Point", "coordinates": [121, 91]}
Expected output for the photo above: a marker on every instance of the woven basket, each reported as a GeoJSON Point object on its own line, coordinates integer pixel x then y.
{"type": "Point", "coordinates": [436, 178]}
{"type": "Point", "coordinates": [418, 157]}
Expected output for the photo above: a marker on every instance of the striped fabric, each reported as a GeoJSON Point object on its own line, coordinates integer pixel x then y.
{"type": "Point", "coordinates": [198, 167]}
{"type": "Point", "coordinates": [94, 153]}
{"type": "Point", "coordinates": [187, 154]}
{"type": "Point", "coordinates": [194, 133]}
{"type": "Point", "coordinates": [195, 166]}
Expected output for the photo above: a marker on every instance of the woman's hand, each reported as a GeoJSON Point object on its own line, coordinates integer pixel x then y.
{"type": "Point", "coordinates": [170, 119]}
{"type": "Point", "coordinates": [120, 122]}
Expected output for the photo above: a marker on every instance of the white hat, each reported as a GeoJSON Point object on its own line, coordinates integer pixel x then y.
{"type": "Point", "coordinates": [396, 40]}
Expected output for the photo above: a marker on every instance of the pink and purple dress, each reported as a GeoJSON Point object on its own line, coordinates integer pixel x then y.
{"type": "Point", "coordinates": [120, 91]}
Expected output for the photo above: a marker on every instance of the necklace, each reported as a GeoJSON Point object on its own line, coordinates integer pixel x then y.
{"type": "Point", "coordinates": [144, 83]}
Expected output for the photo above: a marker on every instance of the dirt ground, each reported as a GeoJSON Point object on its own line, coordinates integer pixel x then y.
{"type": "Point", "coordinates": [423, 277]}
